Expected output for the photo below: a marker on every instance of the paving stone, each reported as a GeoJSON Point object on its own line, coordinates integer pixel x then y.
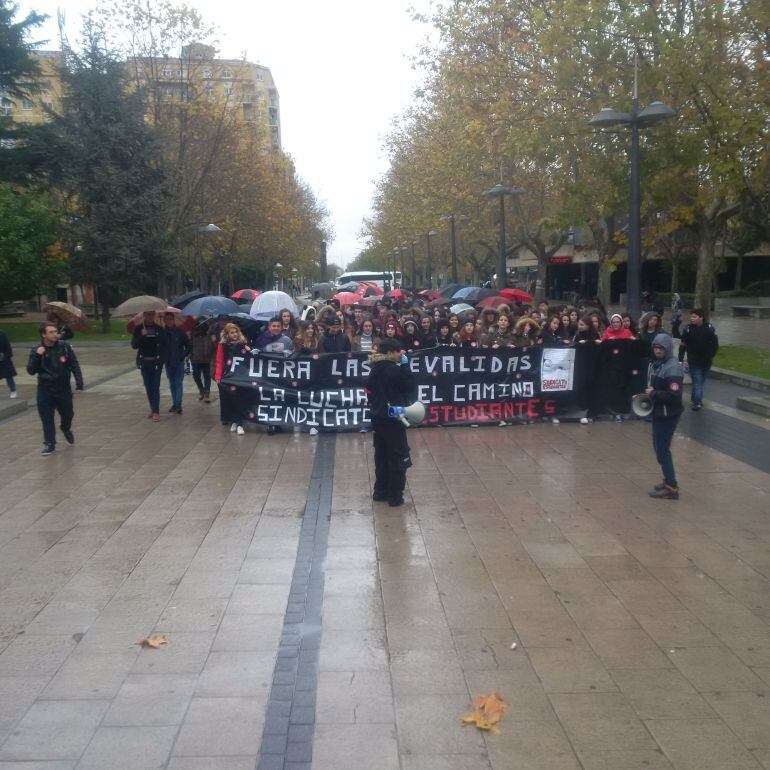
{"type": "Point", "coordinates": [129, 748]}
{"type": "Point", "coordinates": [54, 730]}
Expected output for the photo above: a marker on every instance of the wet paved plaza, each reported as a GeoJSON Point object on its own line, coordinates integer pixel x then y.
{"type": "Point", "coordinates": [308, 626]}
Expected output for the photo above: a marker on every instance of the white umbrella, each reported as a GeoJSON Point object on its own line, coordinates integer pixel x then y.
{"type": "Point", "coordinates": [270, 303]}
{"type": "Point", "coordinates": [462, 307]}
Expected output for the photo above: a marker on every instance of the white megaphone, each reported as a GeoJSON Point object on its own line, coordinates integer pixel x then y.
{"type": "Point", "coordinates": [413, 414]}
{"type": "Point", "coordinates": [641, 405]}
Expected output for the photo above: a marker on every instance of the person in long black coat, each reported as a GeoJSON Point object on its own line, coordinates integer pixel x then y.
{"type": "Point", "coordinates": [7, 369]}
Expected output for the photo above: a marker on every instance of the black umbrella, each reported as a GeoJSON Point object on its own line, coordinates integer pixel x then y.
{"type": "Point", "coordinates": [186, 299]}
{"type": "Point", "coordinates": [478, 294]}
{"type": "Point", "coordinates": [448, 289]}
{"type": "Point", "coordinates": [211, 306]}
{"type": "Point", "coordinates": [438, 303]}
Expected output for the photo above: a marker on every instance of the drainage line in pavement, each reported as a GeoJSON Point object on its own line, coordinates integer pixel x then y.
{"type": "Point", "coordinates": [290, 721]}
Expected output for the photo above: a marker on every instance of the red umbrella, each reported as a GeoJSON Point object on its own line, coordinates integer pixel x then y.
{"type": "Point", "coordinates": [245, 294]}
{"type": "Point", "coordinates": [396, 294]}
{"type": "Point", "coordinates": [373, 285]}
{"type": "Point", "coordinates": [493, 302]}
{"type": "Point", "coordinates": [183, 322]}
{"type": "Point", "coordinates": [516, 294]}
{"type": "Point", "coordinates": [347, 298]}
{"type": "Point", "coordinates": [429, 294]}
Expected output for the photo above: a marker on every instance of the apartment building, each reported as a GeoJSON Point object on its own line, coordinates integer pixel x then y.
{"type": "Point", "coordinates": [245, 87]}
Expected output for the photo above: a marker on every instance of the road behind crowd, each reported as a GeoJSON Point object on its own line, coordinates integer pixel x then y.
{"type": "Point", "coordinates": [307, 624]}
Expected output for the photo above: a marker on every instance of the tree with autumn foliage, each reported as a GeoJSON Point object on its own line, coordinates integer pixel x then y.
{"type": "Point", "coordinates": [511, 86]}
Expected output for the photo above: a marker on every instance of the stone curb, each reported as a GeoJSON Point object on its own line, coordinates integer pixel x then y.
{"type": "Point", "coordinates": [754, 404]}
{"type": "Point", "coordinates": [738, 378]}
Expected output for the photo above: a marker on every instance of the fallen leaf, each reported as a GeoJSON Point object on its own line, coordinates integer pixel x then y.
{"type": "Point", "coordinates": [153, 641]}
{"type": "Point", "coordinates": [488, 711]}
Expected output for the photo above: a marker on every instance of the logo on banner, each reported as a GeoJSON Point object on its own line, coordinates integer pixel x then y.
{"type": "Point", "coordinates": [557, 369]}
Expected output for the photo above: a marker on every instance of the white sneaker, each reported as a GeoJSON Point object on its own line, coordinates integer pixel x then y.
{"type": "Point", "coordinates": [554, 420]}
{"type": "Point", "coordinates": [13, 394]}
{"type": "Point", "coordinates": [502, 424]}
{"type": "Point", "coordinates": [233, 426]}
{"type": "Point", "coordinates": [240, 431]}
{"type": "Point", "coordinates": [314, 431]}
{"type": "Point", "coordinates": [585, 420]}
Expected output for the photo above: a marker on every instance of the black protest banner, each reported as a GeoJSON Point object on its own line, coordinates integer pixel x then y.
{"type": "Point", "coordinates": [457, 386]}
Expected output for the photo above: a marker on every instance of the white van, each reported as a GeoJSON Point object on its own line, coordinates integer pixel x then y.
{"type": "Point", "coordinates": [383, 280]}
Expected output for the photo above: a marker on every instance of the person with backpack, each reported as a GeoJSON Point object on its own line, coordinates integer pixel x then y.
{"type": "Point", "coordinates": [54, 362]}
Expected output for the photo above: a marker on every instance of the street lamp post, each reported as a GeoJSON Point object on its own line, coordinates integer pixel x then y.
{"type": "Point", "coordinates": [414, 268]}
{"type": "Point", "coordinates": [394, 254]}
{"type": "Point", "coordinates": [401, 247]}
{"type": "Point", "coordinates": [500, 191]}
{"type": "Point", "coordinates": [209, 229]}
{"type": "Point", "coordinates": [656, 112]}
{"type": "Point", "coordinates": [428, 259]}
{"type": "Point", "coordinates": [452, 218]}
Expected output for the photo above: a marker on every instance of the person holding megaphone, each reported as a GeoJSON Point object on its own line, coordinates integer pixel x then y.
{"type": "Point", "coordinates": [664, 389]}
{"type": "Point", "coordinates": [388, 390]}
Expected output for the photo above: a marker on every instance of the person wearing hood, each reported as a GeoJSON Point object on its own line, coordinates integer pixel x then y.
{"type": "Point", "coordinates": [665, 379]}
{"type": "Point", "coordinates": [389, 384]}
{"type": "Point", "coordinates": [526, 332]}
{"type": "Point", "coordinates": [616, 330]}
{"type": "Point", "coordinates": [676, 314]}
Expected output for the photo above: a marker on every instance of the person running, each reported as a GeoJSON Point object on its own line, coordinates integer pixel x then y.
{"type": "Point", "coordinates": [7, 369]}
{"type": "Point", "coordinates": [54, 362]}
{"type": "Point", "coordinates": [389, 385]}
{"type": "Point", "coordinates": [177, 349]}
{"type": "Point", "coordinates": [700, 343]}
{"type": "Point", "coordinates": [665, 389]}
{"type": "Point", "coordinates": [149, 342]}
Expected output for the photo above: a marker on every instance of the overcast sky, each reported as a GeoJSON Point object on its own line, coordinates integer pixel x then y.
{"type": "Point", "coordinates": [342, 68]}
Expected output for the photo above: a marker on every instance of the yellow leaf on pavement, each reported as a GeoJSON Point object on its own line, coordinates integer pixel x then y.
{"type": "Point", "coordinates": [488, 711]}
{"type": "Point", "coordinates": [153, 641]}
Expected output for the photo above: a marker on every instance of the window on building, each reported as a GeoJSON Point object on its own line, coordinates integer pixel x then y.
{"type": "Point", "coordinates": [6, 107]}
{"type": "Point", "coordinates": [179, 73]}
{"type": "Point", "coordinates": [168, 92]}
{"type": "Point", "coordinates": [165, 72]}
{"type": "Point", "coordinates": [273, 116]}
{"type": "Point", "coordinates": [47, 106]}
{"type": "Point", "coordinates": [26, 104]}
{"type": "Point", "coordinates": [209, 91]}
{"type": "Point", "coordinates": [228, 90]}
{"type": "Point", "coordinates": [248, 111]}
{"type": "Point", "coordinates": [226, 73]}
{"type": "Point", "coordinates": [259, 76]}
{"type": "Point", "coordinates": [208, 73]}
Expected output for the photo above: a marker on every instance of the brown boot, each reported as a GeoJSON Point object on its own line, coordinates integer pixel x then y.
{"type": "Point", "coordinates": [207, 396]}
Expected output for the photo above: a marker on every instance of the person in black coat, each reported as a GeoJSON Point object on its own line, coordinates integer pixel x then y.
{"type": "Point", "coordinates": [149, 342]}
{"type": "Point", "coordinates": [388, 385]}
{"type": "Point", "coordinates": [54, 362]}
{"type": "Point", "coordinates": [7, 369]}
{"type": "Point", "coordinates": [700, 344]}
{"type": "Point", "coordinates": [333, 340]}
{"type": "Point", "coordinates": [178, 347]}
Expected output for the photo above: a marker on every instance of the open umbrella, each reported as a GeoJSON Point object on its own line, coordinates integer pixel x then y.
{"type": "Point", "coordinates": [448, 289]}
{"type": "Point", "coordinates": [461, 307]}
{"type": "Point", "coordinates": [242, 295]}
{"type": "Point", "coordinates": [493, 301]}
{"type": "Point", "coordinates": [463, 292]}
{"type": "Point", "coordinates": [185, 299]}
{"type": "Point", "coordinates": [368, 301]}
{"type": "Point", "coordinates": [270, 303]}
{"type": "Point", "coordinates": [71, 315]}
{"type": "Point", "coordinates": [516, 294]}
{"type": "Point", "coordinates": [477, 294]}
{"type": "Point", "coordinates": [396, 294]}
{"type": "Point", "coordinates": [184, 322]}
{"type": "Point", "coordinates": [210, 306]}
{"type": "Point", "coordinates": [375, 288]}
{"type": "Point", "coordinates": [140, 304]}
{"type": "Point", "coordinates": [438, 302]}
{"type": "Point", "coordinates": [347, 298]}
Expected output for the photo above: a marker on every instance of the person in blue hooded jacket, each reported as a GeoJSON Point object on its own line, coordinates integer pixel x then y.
{"type": "Point", "coordinates": [665, 378]}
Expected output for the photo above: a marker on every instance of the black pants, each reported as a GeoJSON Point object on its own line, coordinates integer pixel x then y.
{"type": "Point", "coordinates": [48, 403]}
{"type": "Point", "coordinates": [391, 458]}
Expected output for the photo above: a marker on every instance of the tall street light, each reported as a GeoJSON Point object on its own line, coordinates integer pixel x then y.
{"type": "Point", "coordinates": [414, 268]}
{"type": "Point", "coordinates": [401, 247]}
{"type": "Point", "coordinates": [655, 113]}
{"type": "Point", "coordinates": [500, 191]}
{"type": "Point", "coordinates": [452, 218]}
{"type": "Point", "coordinates": [209, 229]}
{"type": "Point", "coordinates": [428, 260]}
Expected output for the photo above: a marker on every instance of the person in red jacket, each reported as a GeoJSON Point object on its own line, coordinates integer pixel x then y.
{"type": "Point", "coordinates": [232, 343]}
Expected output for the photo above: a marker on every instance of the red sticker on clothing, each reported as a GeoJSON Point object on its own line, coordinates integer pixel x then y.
{"type": "Point", "coordinates": [674, 386]}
